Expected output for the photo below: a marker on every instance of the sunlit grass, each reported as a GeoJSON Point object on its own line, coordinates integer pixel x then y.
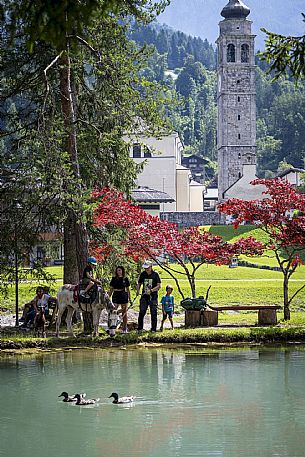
{"type": "Point", "coordinates": [241, 285]}
{"type": "Point", "coordinates": [229, 286]}
{"type": "Point", "coordinates": [238, 292]}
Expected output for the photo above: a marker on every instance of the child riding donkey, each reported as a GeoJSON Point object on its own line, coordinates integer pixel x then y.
{"type": "Point", "coordinates": [88, 279]}
{"type": "Point", "coordinates": [89, 296]}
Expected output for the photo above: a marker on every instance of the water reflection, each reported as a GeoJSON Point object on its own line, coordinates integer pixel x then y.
{"type": "Point", "coordinates": [244, 402]}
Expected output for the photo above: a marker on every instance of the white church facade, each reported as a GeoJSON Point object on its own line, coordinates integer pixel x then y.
{"type": "Point", "coordinates": [162, 171]}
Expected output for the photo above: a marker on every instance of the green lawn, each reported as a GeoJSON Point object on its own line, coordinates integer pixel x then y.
{"type": "Point", "coordinates": [228, 233]}
{"type": "Point", "coordinates": [250, 318]}
{"type": "Point", "coordinates": [230, 286]}
{"type": "Point", "coordinates": [238, 292]}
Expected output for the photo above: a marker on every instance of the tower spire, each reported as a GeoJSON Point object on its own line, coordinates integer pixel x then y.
{"type": "Point", "coordinates": [235, 9]}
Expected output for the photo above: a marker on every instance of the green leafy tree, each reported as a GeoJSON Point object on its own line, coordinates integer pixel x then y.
{"type": "Point", "coordinates": [280, 122]}
{"type": "Point", "coordinates": [285, 54]}
{"type": "Point", "coordinates": [52, 21]}
{"type": "Point", "coordinates": [287, 121]}
{"type": "Point", "coordinates": [284, 166]}
{"type": "Point", "coordinates": [77, 89]}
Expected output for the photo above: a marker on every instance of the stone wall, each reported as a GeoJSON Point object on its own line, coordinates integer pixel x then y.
{"type": "Point", "coordinates": [188, 219]}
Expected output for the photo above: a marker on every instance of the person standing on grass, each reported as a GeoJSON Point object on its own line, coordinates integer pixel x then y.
{"type": "Point", "coordinates": [151, 283]}
{"type": "Point", "coordinates": [167, 303]}
{"type": "Point", "coordinates": [120, 292]}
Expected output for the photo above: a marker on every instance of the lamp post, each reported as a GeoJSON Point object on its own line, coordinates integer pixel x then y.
{"type": "Point", "coordinates": [16, 286]}
{"type": "Point", "coordinates": [18, 207]}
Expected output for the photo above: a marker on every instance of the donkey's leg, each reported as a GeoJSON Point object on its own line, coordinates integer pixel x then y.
{"type": "Point", "coordinates": [58, 320]}
{"type": "Point", "coordinates": [96, 313]}
{"type": "Point", "coordinates": [69, 320]}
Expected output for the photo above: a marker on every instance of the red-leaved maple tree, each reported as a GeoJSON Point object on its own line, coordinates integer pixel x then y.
{"type": "Point", "coordinates": [281, 216]}
{"type": "Point", "coordinates": [147, 236]}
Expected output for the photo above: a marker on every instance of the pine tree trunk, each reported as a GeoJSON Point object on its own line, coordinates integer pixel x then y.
{"type": "Point", "coordinates": [71, 275]}
{"type": "Point", "coordinates": [75, 234]}
{"type": "Point", "coordinates": [88, 322]}
{"type": "Point", "coordinates": [81, 239]}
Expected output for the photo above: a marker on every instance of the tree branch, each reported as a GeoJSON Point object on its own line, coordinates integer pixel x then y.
{"type": "Point", "coordinates": [45, 71]}
{"type": "Point", "coordinates": [299, 290]}
{"type": "Point", "coordinates": [85, 43]}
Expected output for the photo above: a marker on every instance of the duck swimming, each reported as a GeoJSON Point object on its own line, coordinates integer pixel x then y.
{"type": "Point", "coordinates": [80, 400]}
{"type": "Point", "coordinates": [120, 400]}
{"type": "Point", "coordinates": [67, 398]}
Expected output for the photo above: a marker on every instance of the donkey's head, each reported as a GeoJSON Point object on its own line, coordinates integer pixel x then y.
{"type": "Point", "coordinates": [104, 299]}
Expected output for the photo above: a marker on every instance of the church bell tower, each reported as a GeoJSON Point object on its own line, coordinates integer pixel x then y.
{"type": "Point", "coordinates": [236, 133]}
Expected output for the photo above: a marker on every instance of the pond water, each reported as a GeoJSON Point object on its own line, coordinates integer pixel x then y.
{"type": "Point", "coordinates": [189, 402]}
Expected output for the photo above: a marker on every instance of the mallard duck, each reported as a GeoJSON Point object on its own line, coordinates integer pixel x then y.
{"type": "Point", "coordinates": [120, 400]}
{"type": "Point", "coordinates": [67, 398]}
{"type": "Point", "coordinates": [81, 401]}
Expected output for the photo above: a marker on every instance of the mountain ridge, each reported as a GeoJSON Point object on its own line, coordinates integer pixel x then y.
{"type": "Point", "coordinates": [201, 17]}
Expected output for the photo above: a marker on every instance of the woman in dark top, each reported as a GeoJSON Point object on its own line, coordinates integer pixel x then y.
{"type": "Point", "coordinates": [120, 292]}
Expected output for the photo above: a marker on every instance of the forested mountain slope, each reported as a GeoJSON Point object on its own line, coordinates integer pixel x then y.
{"type": "Point", "coordinates": [185, 66]}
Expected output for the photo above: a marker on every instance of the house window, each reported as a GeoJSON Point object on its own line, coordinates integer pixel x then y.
{"type": "Point", "coordinates": [148, 206]}
{"type": "Point", "coordinates": [239, 136]}
{"type": "Point", "coordinates": [238, 81]}
{"type": "Point", "coordinates": [231, 53]}
{"type": "Point", "coordinates": [238, 117]}
{"type": "Point", "coordinates": [238, 99]}
{"type": "Point", "coordinates": [40, 253]}
{"type": "Point", "coordinates": [136, 150]}
{"type": "Point", "coordinates": [245, 53]}
{"type": "Point", "coordinates": [147, 152]}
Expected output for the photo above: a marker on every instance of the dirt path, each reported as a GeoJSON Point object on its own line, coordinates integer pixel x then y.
{"type": "Point", "coordinates": [8, 319]}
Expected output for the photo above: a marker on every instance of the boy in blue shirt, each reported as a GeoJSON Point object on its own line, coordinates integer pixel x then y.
{"type": "Point", "coordinates": [167, 303]}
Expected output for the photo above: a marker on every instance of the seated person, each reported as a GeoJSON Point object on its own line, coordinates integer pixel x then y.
{"type": "Point", "coordinates": [51, 300]}
{"type": "Point", "coordinates": [45, 299]}
{"type": "Point", "coordinates": [26, 309]}
{"type": "Point", "coordinates": [32, 311]}
{"type": "Point", "coordinates": [40, 300]}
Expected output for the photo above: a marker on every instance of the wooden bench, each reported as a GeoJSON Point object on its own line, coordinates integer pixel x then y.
{"type": "Point", "coordinates": [209, 317]}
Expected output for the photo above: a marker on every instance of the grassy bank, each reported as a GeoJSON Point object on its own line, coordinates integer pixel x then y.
{"type": "Point", "coordinates": [243, 330]}
{"type": "Point", "coordinates": [191, 336]}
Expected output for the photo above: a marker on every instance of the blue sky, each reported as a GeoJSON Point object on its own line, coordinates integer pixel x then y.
{"type": "Point", "coordinates": [201, 17]}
